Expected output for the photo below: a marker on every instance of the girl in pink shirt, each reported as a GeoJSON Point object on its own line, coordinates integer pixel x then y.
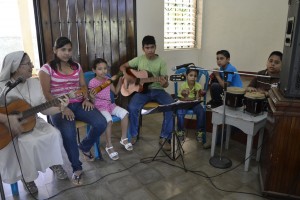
{"type": "Point", "coordinates": [102, 101]}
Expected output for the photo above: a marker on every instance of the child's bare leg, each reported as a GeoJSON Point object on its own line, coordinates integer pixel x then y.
{"type": "Point", "coordinates": [124, 126]}
{"type": "Point", "coordinates": [109, 147]}
{"type": "Point", "coordinates": [108, 134]}
{"type": "Point", "coordinates": [124, 139]}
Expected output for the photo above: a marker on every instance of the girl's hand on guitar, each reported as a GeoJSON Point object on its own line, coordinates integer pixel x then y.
{"type": "Point", "coordinates": [68, 114]}
{"type": "Point", "coordinates": [87, 105]}
{"type": "Point", "coordinates": [64, 101]}
{"type": "Point", "coordinates": [15, 124]}
{"type": "Point", "coordinates": [93, 93]}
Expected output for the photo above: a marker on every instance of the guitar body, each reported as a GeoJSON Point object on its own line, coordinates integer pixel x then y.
{"type": "Point", "coordinates": [132, 83]}
{"type": "Point", "coordinates": [137, 81]}
{"type": "Point", "coordinates": [15, 107]}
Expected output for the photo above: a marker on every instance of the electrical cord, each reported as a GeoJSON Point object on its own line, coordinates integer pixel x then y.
{"type": "Point", "coordinates": [204, 175]}
{"type": "Point", "coordinates": [147, 160]}
{"type": "Point", "coordinates": [15, 149]}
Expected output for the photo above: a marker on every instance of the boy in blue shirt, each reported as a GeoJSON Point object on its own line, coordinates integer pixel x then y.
{"type": "Point", "coordinates": [217, 84]}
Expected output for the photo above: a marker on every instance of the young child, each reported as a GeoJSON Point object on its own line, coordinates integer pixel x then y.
{"type": "Point", "coordinates": [263, 84]}
{"type": "Point", "coordinates": [192, 90]}
{"type": "Point", "coordinates": [233, 80]}
{"type": "Point", "coordinates": [102, 102]}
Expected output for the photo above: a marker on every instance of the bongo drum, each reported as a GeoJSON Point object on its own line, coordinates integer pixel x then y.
{"type": "Point", "coordinates": [234, 97]}
{"type": "Point", "coordinates": [254, 102]}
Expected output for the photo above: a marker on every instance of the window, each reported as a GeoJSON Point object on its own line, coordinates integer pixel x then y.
{"type": "Point", "coordinates": [18, 32]}
{"type": "Point", "coordinates": [181, 23]}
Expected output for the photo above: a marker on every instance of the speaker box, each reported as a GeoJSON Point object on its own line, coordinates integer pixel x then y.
{"type": "Point", "coordinates": [290, 72]}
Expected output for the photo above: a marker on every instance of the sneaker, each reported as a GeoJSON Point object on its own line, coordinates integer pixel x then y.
{"type": "Point", "coordinates": [167, 145]}
{"type": "Point", "coordinates": [206, 145]}
{"type": "Point", "coordinates": [199, 136]}
{"type": "Point", "coordinates": [59, 172]}
{"type": "Point", "coordinates": [180, 135]}
{"type": "Point", "coordinates": [134, 140]}
{"type": "Point", "coordinates": [213, 104]}
{"type": "Point", "coordinates": [30, 186]}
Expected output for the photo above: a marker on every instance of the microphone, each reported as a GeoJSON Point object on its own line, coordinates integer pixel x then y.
{"type": "Point", "coordinates": [181, 66]}
{"type": "Point", "coordinates": [11, 85]}
{"type": "Point", "coordinates": [14, 84]}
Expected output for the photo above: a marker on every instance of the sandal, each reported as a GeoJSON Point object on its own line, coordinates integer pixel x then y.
{"type": "Point", "coordinates": [88, 156]}
{"type": "Point", "coordinates": [128, 145]}
{"type": "Point", "coordinates": [30, 187]}
{"type": "Point", "coordinates": [113, 155]}
{"type": "Point", "coordinates": [76, 177]}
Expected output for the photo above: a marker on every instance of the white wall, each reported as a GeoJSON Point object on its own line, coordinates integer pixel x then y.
{"type": "Point", "coordinates": [250, 30]}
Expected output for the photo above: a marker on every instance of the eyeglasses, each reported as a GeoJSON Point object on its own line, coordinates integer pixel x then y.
{"type": "Point", "coordinates": [27, 64]}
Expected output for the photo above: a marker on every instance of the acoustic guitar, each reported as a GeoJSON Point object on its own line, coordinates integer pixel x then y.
{"type": "Point", "coordinates": [139, 80]}
{"type": "Point", "coordinates": [27, 112]}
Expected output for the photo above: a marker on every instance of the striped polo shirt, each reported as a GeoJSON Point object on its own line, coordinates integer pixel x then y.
{"type": "Point", "coordinates": [61, 84]}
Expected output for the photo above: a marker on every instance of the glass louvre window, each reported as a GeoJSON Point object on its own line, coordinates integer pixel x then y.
{"type": "Point", "coordinates": [180, 24]}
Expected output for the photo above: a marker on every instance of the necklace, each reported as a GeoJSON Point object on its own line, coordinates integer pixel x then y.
{"type": "Point", "coordinates": [27, 91]}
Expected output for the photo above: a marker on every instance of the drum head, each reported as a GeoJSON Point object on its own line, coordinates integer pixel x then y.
{"type": "Point", "coordinates": [236, 90]}
{"type": "Point", "coordinates": [255, 95]}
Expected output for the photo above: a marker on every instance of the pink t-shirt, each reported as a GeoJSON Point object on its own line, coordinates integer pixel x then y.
{"type": "Point", "coordinates": [102, 99]}
{"type": "Point", "coordinates": [61, 84]}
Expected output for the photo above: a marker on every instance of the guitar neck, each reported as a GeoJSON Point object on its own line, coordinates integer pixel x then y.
{"type": "Point", "coordinates": [39, 108]}
{"type": "Point", "coordinates": [151, 79]}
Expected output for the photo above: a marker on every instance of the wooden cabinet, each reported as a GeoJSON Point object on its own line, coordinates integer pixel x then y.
{"type": "Point", "coordinates": [280, 158]}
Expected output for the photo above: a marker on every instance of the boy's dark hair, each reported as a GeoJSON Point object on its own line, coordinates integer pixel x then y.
{"type": "Point", "coordinates": [224, 53]}
{"type": "Point", "coordinates": [190, 69]}
{"type": "Point", "coordinates": [276, 53]}
{"type": "Point", "coordinates": [59, 43]}
{"type": "Point", "coordinates": [148, 39]}
{"type": "Point", "coordinates": [97, 61]}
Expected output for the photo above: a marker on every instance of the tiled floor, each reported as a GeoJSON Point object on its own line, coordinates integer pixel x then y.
{"type": "Point", "coordinates": [136, 176]}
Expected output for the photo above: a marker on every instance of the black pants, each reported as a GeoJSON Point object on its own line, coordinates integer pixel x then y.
{"type": "Point", "coordinates": [216, 90]}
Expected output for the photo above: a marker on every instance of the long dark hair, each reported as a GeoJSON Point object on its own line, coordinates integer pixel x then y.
{"type": "Point", "coordinates": [59, 43]}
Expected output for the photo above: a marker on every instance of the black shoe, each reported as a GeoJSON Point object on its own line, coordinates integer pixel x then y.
{"type": "Point", "coordinates": [167, 145]}
{"type": "Point", "coordinates": [213, 104]}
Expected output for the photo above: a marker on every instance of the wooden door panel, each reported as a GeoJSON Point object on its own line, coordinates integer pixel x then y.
{"type": "Point", "coordinates": [97, 28]}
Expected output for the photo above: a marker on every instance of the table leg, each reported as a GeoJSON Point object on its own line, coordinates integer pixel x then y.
{"type": "Point", "coordinates": [248, 151]}
{"type": "Point", "coordinates": [259, 145]}
{"type": "Point", "coordinates": [228, 133]}
{"type": "Point", "coordinates": [213, 140]}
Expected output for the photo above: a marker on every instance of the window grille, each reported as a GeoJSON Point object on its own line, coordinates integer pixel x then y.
{"type": "Point", "coordinates": [180, 24]}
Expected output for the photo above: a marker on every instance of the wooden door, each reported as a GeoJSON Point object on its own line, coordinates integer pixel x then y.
{"type": "Point", "coordinates": [97, 28]}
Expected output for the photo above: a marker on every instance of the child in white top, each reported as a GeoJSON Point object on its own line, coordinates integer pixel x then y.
{"type": "Point", "coordinates": [102, 101]}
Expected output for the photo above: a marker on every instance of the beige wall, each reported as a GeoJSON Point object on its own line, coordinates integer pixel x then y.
{"type": "Point", "coordinates": [250, 30]}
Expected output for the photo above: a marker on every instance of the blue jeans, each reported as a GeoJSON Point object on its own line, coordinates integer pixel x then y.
{"type": "Point", "coordinates": [139, 100]}
{"type": "Point", "coordinates": [68, 131]}
{"type": "Point", "coordinates": [198, 111]}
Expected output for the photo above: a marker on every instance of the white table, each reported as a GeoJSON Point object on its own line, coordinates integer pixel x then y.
{"type": "Point", "coordinates": [249, 124]}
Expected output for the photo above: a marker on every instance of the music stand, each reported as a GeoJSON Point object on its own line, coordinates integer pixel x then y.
{"type": "Point", "coordinates": [175, 139]}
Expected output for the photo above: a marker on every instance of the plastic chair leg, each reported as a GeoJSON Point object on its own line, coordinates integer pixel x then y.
{"type": "Point", "coordinates": [14, 188]}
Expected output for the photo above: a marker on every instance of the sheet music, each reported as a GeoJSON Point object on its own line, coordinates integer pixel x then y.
{"type": "Point", "coordinates": [145, 112]}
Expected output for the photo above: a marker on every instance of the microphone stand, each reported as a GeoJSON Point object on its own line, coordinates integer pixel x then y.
{"type": "Point", "coordinates": [219, 161]}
